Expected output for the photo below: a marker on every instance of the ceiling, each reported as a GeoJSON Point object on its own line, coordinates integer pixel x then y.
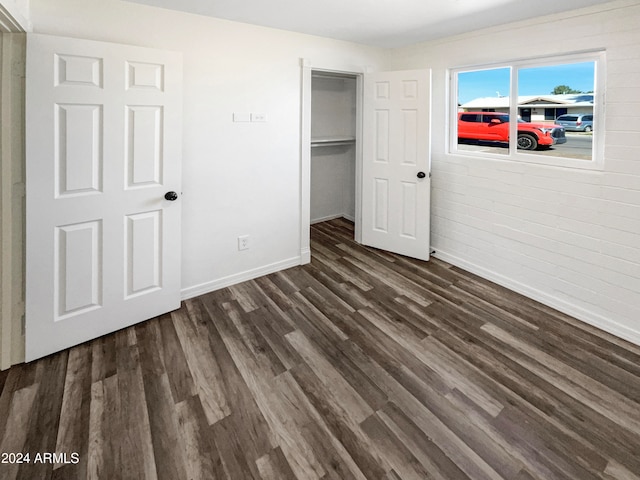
{"type": "Point", "coordinates": [382, 23]}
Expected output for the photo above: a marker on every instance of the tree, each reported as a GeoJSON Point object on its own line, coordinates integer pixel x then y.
{"type": "Point", "coordinates": [562, 89]}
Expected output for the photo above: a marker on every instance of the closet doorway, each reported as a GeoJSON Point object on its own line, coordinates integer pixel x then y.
{"type": "Point", "coordinates": [331, 148]}
{"type": "Point", "coordinates": [334, 139]}
{"type": "Point", "coordinates": [365, 156]}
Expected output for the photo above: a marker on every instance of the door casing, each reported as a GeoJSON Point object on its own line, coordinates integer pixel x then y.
{"type": "Point", "coordinates": [305, 153]}
{"type": "Point", "coordinates": [12, 57]}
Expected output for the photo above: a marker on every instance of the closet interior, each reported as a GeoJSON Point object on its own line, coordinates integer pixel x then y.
{"type": "Point", "coordinates": [333, 146]}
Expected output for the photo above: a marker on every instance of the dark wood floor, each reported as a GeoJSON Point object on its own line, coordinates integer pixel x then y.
{"type": "Point", "coordinates": [361, 365]}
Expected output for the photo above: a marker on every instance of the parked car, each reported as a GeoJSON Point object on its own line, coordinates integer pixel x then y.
{"type": "Point", "coordinates": [576, 122]}
{"type": "Point", "coordinates": [494, 127]}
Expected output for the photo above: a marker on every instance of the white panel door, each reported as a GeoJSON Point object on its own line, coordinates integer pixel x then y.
{"type": "Point", "coordinates": [103, 145]}
{"type": "Point", "coordinates": [396, 162]}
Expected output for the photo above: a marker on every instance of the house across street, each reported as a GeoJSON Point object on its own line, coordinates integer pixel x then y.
{"type": "Point", "coordinates": [536, 108]}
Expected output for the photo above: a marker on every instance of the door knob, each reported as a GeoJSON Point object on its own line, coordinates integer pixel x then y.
{"type": "Point", "coordinates": [171, 196]}
{"type": "Point", "coordinates": [421, 175]}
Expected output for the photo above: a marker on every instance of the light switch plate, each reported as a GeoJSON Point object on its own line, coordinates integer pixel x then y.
{"type": "Point", "coordinates": [241, 117]}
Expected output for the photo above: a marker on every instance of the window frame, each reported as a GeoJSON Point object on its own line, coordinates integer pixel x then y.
{"type": "Point", "coordinates": [514, 66]}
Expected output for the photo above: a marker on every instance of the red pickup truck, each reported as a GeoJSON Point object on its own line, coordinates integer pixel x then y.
{"type": "Point", "coordinates": [494, 127]}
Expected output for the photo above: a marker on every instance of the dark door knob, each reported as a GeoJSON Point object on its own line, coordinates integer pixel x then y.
{"type": "Point", "coordinates": [421, 175]}
{"type": "Point", "coordinates": [171, 196]}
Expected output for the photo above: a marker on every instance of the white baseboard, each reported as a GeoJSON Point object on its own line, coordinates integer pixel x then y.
{"type": "Point", "coordinates": [305, 256]}
{"type": "Point", "coordinates": [207, 287]}
{"type": "Point", "coordinates": [333, 217]}
{"type": "Point", "coordinates": [327, 218]}
{"type": "Point", "coordinates": [561, 305]}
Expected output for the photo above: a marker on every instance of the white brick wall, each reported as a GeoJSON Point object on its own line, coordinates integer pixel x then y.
{"type": "Point", "coordinates": [569, 238]}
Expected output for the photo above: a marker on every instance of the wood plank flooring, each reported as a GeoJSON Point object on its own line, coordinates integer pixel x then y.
{"type": "Point", "coordinates": [361, 365]}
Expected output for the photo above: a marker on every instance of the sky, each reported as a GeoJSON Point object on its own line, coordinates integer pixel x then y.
{"type": "Point", "coordinates": [531, 81]}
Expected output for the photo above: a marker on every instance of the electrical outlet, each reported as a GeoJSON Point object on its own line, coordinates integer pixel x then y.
{"type": "Point", "coordinates": [243, 242]}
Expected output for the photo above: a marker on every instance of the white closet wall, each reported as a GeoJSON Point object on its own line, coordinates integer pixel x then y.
{"type": "Point", "coordinates": [333, 132]}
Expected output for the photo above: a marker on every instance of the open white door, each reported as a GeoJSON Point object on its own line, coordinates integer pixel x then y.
{"type": "Point", "coordinates": [396, 162]}
{"type": "Point", "coordinates": [103, 147]}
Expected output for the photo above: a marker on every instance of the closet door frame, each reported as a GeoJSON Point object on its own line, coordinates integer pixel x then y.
{"type": "Point", "coordinates": [308, 68]}
{"type": "Point", "coordinates": [13, 27]}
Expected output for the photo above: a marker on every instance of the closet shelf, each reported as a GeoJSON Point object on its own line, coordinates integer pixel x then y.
{"type": "Point", "coordinates": [332, 141]}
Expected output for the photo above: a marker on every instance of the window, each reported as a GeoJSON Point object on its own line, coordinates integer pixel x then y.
{"type": "Point", "coordinates": [541, 111]}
